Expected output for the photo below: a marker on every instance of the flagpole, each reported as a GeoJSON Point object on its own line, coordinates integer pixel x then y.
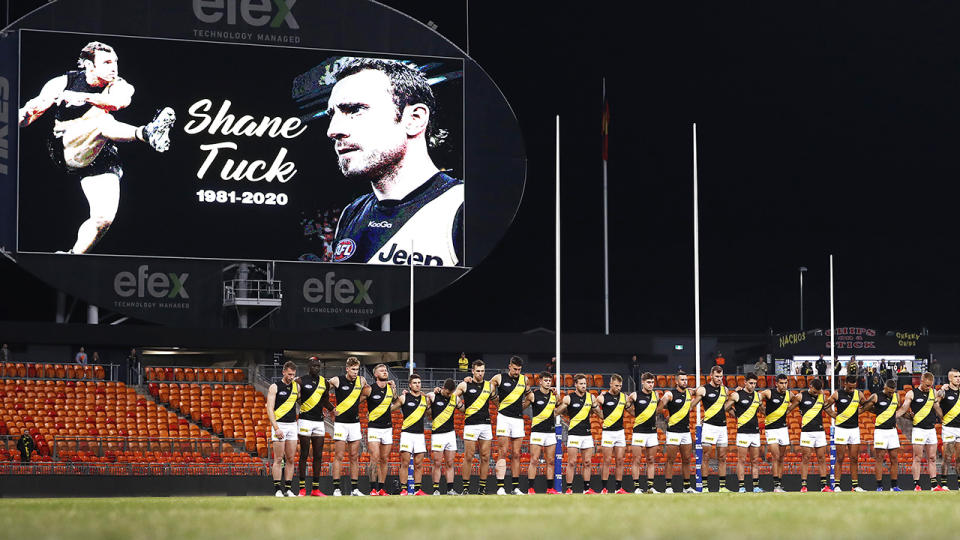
{"type": "Point", "coordinates": [410, 469]}
{"type": "Point", "coordinates": [833, 336]}
{"type": "Point", "coordinates": [606, 230]}
{"type": "Point", "coordinates": [696, 304]}
{"type": "Point", "coordinates": [558, 429]}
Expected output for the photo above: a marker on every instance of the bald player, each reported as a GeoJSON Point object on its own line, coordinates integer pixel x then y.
{"type": "Point", "coordinates": [921, 405]}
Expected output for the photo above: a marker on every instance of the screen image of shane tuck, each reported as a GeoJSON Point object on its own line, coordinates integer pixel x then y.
{"type": "Point", "coordinates": [85, 132]}
{"type": "Point", "coordinates": [382, 123]}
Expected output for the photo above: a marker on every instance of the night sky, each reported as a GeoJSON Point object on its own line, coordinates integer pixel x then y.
{"type": "Point", "coordinates": [822, 129]}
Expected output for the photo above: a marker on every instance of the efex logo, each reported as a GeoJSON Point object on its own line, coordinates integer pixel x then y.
{"type": "Point", "coordinates": [156, 285]}
{"type": "Point", "coordinates": [341, 291]}
{"type": "Point", "coordinates": [253, 12]}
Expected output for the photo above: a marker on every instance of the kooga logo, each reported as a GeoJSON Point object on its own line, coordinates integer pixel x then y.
{"type": "Point", "coordinates": [342, 291]}
{"type": "Point", "coordinates": [157, 284]}
{"type": "Point", "coordinates": [253, 12]}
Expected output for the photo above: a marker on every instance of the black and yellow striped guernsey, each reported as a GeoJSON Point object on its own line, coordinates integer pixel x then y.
{"type": "Point", "coordinates": [476, 402]}
{"type": "Point", "coordinates": [348, 400]}
{"type": "Point", "coordinates": [510, 394]}
{"type": "Point", "coordinates": [312, 390]}
{"type": "Point", "coordinates": [745, 408]}
{"type": "Point", "coordinates": [644, 412]}
{"type": "Point", "coordinates": [777, 406]}
{"type": "Point", "coordinates": [848, 407]}
{"type": "Point", "coordinates": [886, 410]}
{"type": "Point", "coordinates": [713, 399]}
{"type": "Point", "coordinates": [612, 408]}
{"type": "Point", "coordinates": [579, 414]}
{"type": "Point", "coordinates": [922, 407]}
{"type": "Point", "coordinates": [542, 407]}
{"type": "Point", "coordinates": [679, 410]}
{"type": "Point", "coordinates": [812, 410]}
{"type": "Point", "coordinates": [950, 405]}
{"type": "Point", "coordinates": [378, 406]}
{"type": "Point", "coordinates": [284, 409]}
{"type": "Point", "coordinates": [441, 411]}
{"type": "Point", "coordinates": [414, 409]}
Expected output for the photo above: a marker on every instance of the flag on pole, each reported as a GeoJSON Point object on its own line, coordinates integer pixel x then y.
{"type": "Point", "coordinates": [605, 126]}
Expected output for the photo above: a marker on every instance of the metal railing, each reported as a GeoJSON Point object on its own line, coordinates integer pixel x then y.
{"type": "Point", "coordinates": [252, 292]}
{"type": "Point", "coordinates": [100, 445]}
{"type": "Point", "coordinates": [192, 374]}
{"type": "Point", "coordinates": [134, 469]}
{"type": "Point", "coordinates": [58, 370]}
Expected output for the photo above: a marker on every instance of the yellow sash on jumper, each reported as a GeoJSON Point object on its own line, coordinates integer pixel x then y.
{"type": "Point", "coordinates": [750, 412]}
{"type": "Point", "coordinates": [890, 411]}
{"type": "Point", "coordinates": [312, 401]}
{"type": "Point", "coordinates": [445, 414]}
{"type": "Point", "coordinates": [813, 412]}
{"type": "Point", "coordinates": [584, 411]}
{"type": "Point", "coordinates": [417, 413]}
{"type": "Point", "coordinates": [351, 398]}
{"type": "Point", "coordinates": [951, 414]}
{"type": "Point", "coordinates": [684, 411]}
{"type": "Point", "coordinates": [285, 407]}
{"type": "Point", "coordinates": [648, 412]}
{"type": "Point", "coordinates": [547, 411]}
{"type": "Point", "coordinates": [480, 402]}
{"type": "Point", "coordinates": [851, 408]}
{"type": "Point", "coordinates": [514, 394]}
{"type": "Point", "coordinates": [779, 411]}
{"type": "Point", "coordinates": [717, 405]}
{"type": "Point", "coordinates": [616, 414]}
{"type": "Point", "coordinates": [925, 410]}
{"type": "Point", "coordinates": [384, 405]}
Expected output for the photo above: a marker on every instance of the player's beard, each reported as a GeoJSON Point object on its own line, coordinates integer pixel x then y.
{"type": "Point", "coordinates": [371, 165]}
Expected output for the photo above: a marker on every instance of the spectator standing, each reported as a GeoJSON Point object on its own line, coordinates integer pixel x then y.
{"type": "Point", "coordinates": [635, 370]}
{"type": "Point", "coordinates": [882, 368]}
{"type": "Point", "coordinates": [96, 358]}
{"type": "Point", "coordinates": [463, 364]}
{"type": "Point", "coordinates": [760, 368]}
{"type": "Point", "coordinates": [5, 353]}
{"type": "Point", "coordinates": [821, 366]}
{"type": "Point", "coordinates": [837, 367]}
{"type": "Point", "coordinates": [81, 357]}
{"type": "Point", "coordinates": [26, 447]}
{"type": "Point", "coordinates": [853, 366]}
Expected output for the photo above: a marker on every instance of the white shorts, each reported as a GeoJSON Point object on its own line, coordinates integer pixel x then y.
{"type": "Point", "coordinates": [923, 436]}
{"type": "Point", "coordinates": [646, 440]}
{"type": "Point", "coordinates": [412, 442]}
{"type": "Point", "coordinates": [846, 435]}
{"type": "Point", "coordinates": [477, 432]}
{"type": "Point", "coordinates": [748, 440]}
{"type": "Point", "coordinates": [510, 427]}
{"type": "Point", "coordinates": [714, 435]}
{"type": "Point", "coordinates": [613, 439]}
{"type": "Point", "coordinates": [677, 439]}
{"type": "Point", "coordinates": [813, 439]}
{"type": "Point", "coordinates": [886, 439]}
{"type": "Point", "coordinates": [950, 434]}
{"type": "Point", "coordinates": [582, 442]}
{"type": "Point", "coordinates": [542, 439]}
{"type": "Point", "coordinates": [311, 428]}
{"type": "Point", "coordinates": [347, 432]}
{"type": "Point", "coordinates": [288, 432]}
{"type": "Point", "coordinates": [440, 442]}
{"type": "Point", "coordinates": [779, 436]}
{"type": "Point", "coordinates": [380, 435]}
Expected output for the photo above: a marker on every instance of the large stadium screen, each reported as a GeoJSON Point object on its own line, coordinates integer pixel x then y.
{"type": "Point", "coordinates": [148, 147]}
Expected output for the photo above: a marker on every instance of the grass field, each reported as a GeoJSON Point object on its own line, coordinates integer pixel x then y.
{"type": "Point", "coordinates": [787, 515]}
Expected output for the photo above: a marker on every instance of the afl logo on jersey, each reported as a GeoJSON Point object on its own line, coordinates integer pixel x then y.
{"type": "Point", "coordinates": [345, 249]}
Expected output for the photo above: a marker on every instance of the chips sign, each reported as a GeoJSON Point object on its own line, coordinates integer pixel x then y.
{"type": "Point", "coordinates": [145, 142]}
{"type": "Point", "coordinates": [850, 339]}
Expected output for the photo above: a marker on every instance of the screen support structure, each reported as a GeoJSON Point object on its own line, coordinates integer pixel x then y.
{"type": "Point", "coordinates": [696, 308]}
{"type": "Point", "coordinates": [558, 428]}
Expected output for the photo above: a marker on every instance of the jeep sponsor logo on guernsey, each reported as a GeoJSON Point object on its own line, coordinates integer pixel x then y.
{"type": "Point", "coordinates": [253, 12]}
{"type": "Point", "coordinates": [144, 284]}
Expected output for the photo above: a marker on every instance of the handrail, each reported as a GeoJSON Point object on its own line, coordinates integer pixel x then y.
{"type": "Point", "coordinates": [100, 444]}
